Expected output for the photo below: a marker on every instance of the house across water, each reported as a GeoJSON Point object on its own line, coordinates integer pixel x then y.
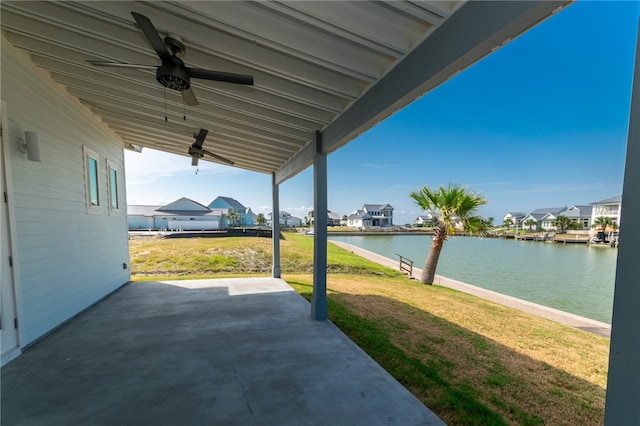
{"type": "Point", "coordinates": [371, 215]}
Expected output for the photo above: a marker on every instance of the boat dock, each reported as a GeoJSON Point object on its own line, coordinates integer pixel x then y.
{"type": "Point", "coordinates": [534, 236]}
{"type": "Point", "coordinates": [571, 238]}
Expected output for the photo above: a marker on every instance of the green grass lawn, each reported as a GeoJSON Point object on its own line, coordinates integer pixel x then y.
{"type": "Point", "coordinates": [469, 360]}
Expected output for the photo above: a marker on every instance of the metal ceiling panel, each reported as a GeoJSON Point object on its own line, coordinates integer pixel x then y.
{"type": "Point", "coordinates": [317, 66]}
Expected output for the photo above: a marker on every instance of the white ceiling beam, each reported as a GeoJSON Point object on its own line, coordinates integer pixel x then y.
{"type": "Point", "coordinates": [178, 131]}
{"type": "Point", "coordinates": [432, 15]}
{"type": "Point", "coordinates": [286, 36]}
{"type": "Point", "coordinates": [212, 143]}
{"type": "Point", "coordinates": [121, 44]}
{"type": "Point", "coordinates": [331, 22]}
{"type": "Point", "coordinates": [204, 113]}
{"type": "Point", "coordinates": [130, 80]}
{"type": "Point", "coordinates": [364, 20]}
{"type": "Point", "coordinates": [294, 103]}
{"type": "Point", "coordinates": [210, 34]}
{"type": "Point", "coordinates": [106, 107]}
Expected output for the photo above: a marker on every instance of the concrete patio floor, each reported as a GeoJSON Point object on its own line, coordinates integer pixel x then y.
{"type": "Point", "coordinates": [203, 352]}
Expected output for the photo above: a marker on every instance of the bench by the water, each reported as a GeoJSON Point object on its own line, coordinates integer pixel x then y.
{"type": "Point", "coordinates": [406, 265]}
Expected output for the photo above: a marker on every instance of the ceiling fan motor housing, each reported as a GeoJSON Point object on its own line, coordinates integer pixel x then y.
{"type": "Point", "coordinates": [196, 152]}
{"type": "Point", "coordinates": [174, 44]}
{"type": "Point", "coordinates": [173, 77]}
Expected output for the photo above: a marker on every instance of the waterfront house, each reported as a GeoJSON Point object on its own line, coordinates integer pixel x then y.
{"type": "Point", "coordinates": [181, 215]}
{"type": "Point", "coordinates": [424, 220]}
{"type": "Point", "coordinates": [545, 217]}
{"type": "Point", "coordinates": [245, 215]}
{"type": "Point", "coordinates": [609, 207]}
{"type": "Point", "coordinates": [515, 217]}
{"type": "Point", "coordinates": [333, 219]}
{"type": "Point", "coordinates": [286, 219]}
{"type": "Point", "coordinates": [580, 215]}
{"type": "Point", "coordinates": [376, 215]}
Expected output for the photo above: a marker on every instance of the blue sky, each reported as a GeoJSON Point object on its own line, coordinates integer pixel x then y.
{"type": "Point", "coordinates": [541, 122]}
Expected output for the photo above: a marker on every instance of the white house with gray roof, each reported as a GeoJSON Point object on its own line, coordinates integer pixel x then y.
{"type": "Point", "coordinates": [424, 220]}
{"type": "Point", "coordinates": [609, 207]}
{"type": "Point", "coordinates": [545, 218]}
{"type": "Point", "coordinates": [181, 215]}
{"type": "Point", "coordinates": [286, 219]}
{"type": "Point", "coordinates": [515, 217]}
{"type": "Point", "coordinates": [579, 214]}
{"type": "Point", "coordinates": [371, 215]}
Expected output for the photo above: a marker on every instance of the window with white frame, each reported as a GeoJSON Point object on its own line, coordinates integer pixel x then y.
{"type": "Point", "coordinates": [113, 174]}
{"type": "Point", "coordinates": [92, 180]}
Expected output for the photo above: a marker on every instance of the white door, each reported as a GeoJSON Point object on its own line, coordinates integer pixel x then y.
{"type": "Point", "coordinates": [8, 322]}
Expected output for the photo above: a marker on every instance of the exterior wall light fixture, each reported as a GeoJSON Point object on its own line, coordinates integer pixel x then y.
{"type": "Point", "coordinates": [30, 145]}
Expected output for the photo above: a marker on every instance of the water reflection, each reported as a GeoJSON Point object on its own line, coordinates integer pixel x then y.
{"type": "Point", "coordinates": [571, 277]}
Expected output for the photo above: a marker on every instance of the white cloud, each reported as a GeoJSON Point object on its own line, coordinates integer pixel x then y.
{"type": "Point", "coordinates": [298, 210]}
{"type": "Point", "coordinates": [150, 166]}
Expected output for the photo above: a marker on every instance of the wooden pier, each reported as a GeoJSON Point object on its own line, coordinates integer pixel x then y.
{"type": "Point", "coordinates": [571, 238]}
{"type": "Point", "coordinates": [534, 236]}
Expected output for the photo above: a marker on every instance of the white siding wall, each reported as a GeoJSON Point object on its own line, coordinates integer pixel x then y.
{"type": "Point", "coordinates": [193, 225]}
{"type": "Point", "coordinates": [67, 259]}
{"type": "Point", "coordinates": [140, 222]}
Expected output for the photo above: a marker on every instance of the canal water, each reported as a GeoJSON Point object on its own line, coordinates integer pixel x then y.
{"type": "Point", "coordinates": [574, 278]}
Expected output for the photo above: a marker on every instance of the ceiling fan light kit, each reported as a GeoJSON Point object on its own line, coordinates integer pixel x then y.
{"type": "Point", "coordinates": [173, 74]}
{"type": "Point", "coordinates": [196, 151]}
{"type": "Point", "coordinates": [173, 78]}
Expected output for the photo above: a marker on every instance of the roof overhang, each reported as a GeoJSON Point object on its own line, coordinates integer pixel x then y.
{"type": "Point", "coordinates": [330, 68]}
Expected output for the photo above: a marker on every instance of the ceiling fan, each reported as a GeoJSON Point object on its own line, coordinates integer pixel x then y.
{"type": "Point", "coordinates": [173, 74]}
{"type": "Point", "coordinates": [196, 151]}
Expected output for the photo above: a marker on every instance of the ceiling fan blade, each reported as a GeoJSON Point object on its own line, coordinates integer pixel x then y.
{"type": "Point", "coordinates": [219, 157]}
{"type": "Point", "coordinates": [220, 76]}
{"type": "Point", "coordinates": [122, 65]}
{"type": "Point", "coordinates": [200, 138]}
{"type": "Point", "coordinates": [194, 160]}
{"type": "Point", "coordinates": [189, 97]}
{"type": "Point", "coordinates": [154, 38]}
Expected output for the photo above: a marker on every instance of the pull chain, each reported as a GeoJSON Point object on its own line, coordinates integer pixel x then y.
{"type": "Point", "coordinates": [165, 105]}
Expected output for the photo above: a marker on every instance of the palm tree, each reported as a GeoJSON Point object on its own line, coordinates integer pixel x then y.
{"type": "Point", "coordinates": [603, 222]}
{"type": "Point", "coordinates": [234, 217]}
{"type": "Point", "coordinates": [575, 226]}
{"type": "Point", "coordinates": [478, 227]}
{"type": "Point", "coordinates": [449, 203]}
{"type": "Point", "coordinates": [261, 219]}
{"type": "Point", "coordinates": [562, 221]}
{"type": "Point", "coordinates": [507, 222]}
{"type": "Point", "coordinates": [529, 222]}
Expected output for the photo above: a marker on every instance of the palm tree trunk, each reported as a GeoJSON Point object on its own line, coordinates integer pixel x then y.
{"type": "Point", "coordinates": [429, 271]}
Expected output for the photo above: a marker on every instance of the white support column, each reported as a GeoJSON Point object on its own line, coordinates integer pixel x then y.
{"type": "Point", "coordinates": [275, 227]}
{"type": "Point", "coordinates": [623, 386]}
{"type": "Point", "coordinates": [319, 309]}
